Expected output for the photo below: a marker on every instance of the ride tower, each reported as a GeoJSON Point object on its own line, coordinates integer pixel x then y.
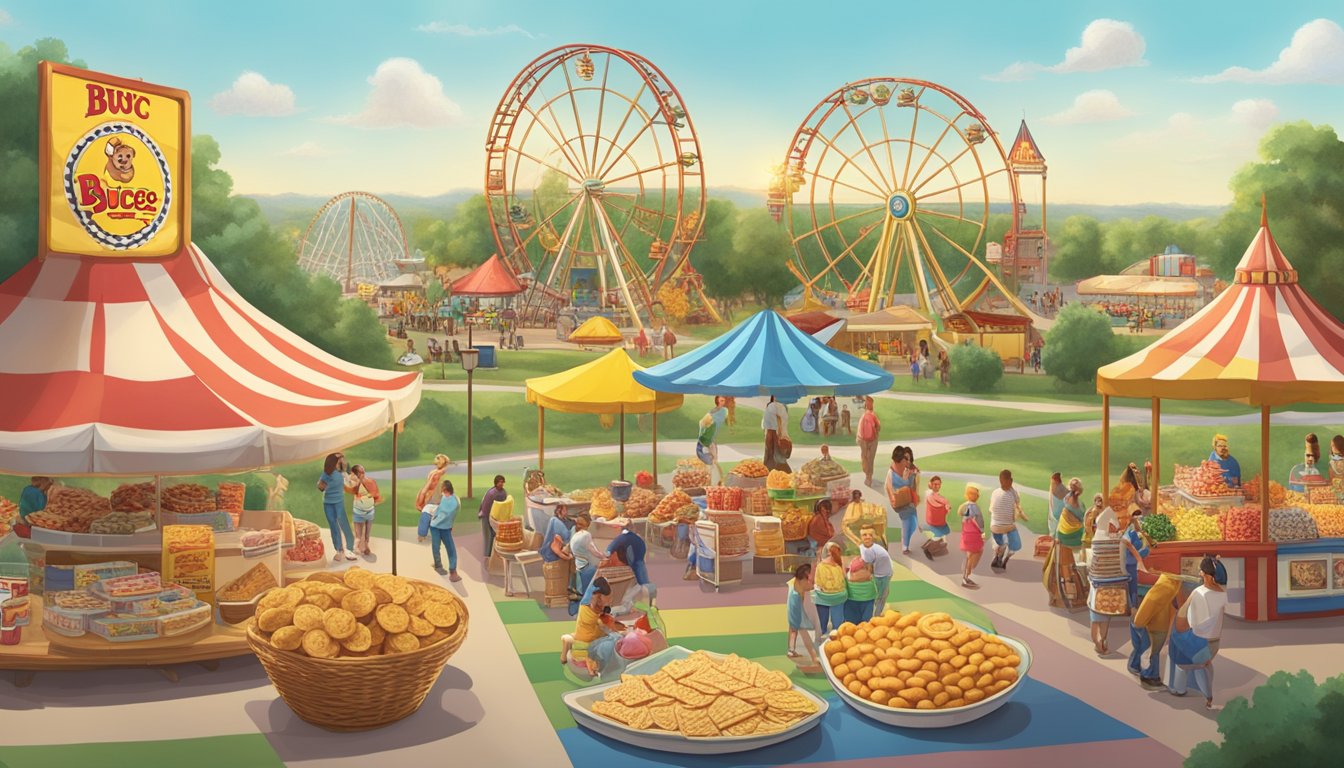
{"type": "Point", "coordinates": [1026, 247]}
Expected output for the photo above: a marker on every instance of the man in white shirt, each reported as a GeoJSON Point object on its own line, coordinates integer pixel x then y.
{"type": "Point", "coordinates": [775, 423]}
{"type": "Point", "coordinates": [879, 562]}
{"type": "Point", "coordinates": [1005, 509]}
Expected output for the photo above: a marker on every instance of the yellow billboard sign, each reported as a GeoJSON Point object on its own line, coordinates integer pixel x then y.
{"type": "Point", "coordinates": [115, 161]}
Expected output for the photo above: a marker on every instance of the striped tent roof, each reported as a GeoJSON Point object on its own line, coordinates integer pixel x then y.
{"type": "Point", "coordinates": [765, 355]}
{"type": "Point", "coordinates": [1263, 341]}
{"type": "Point", "coordinates": [143, 367]}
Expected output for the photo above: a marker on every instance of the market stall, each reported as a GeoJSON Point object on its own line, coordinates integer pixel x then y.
{"type": "Point", "coordinates": [1266, 343]}
{"type": "Point", "coordinates": [887, 336]}
{"type": "Point", "coordinates": [765, 355]}
{"type": "Point", "coordinates": [148, 364]}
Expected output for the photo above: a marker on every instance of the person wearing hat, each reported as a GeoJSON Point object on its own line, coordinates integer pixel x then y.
{"type": "Point", "coordinates": [1308, 473]}
{"type": "Point", "coordinates": [1195, 632]}
{"type": "Point", "coordinates": [1222, 456]}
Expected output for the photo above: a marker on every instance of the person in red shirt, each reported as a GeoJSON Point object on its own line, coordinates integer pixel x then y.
{"type": "Point", "coordinates": [936, 508]}
{"type": "Point", "coordinates": [820, 529]}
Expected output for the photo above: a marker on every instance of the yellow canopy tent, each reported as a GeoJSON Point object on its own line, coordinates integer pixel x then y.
{"type": "Point", "coordinates": [604, 386]}
{"type": "Point", "coordinates": [596, 331]}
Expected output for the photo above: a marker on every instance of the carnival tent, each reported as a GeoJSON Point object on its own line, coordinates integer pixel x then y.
{"type": "Point", "coordinates": [1263, 342]}
{"type": "Point", "coordinates": [122, 366]}
{"type": "Point", "coordinates": [813, 322]}
{"type": "Point", "coordinates": [765, 355]}
{"type": "Point", "coordinates": [1139, 285]}
{"type": "Point", "coordinates": [895, 319]}
{"type": "Point", "coordinates": [493, 278]}
{"type": "Point", "coordinates": [597, 331]}
{"type": "Point", "coordinates": [603, 386]}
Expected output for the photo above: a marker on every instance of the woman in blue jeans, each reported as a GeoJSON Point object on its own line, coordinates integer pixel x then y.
{"type": "Point", "coordinates": [441, 530]}
{"type": "Point", "coordinates": [901, 475]}
{"type": "Point", "coordinates": [332, 485]}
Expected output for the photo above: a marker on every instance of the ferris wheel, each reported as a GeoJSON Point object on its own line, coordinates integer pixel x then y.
{"type": "Point", "coordinates": [354, 238]}
{"type": "Point", "coordinates": [595, 184]}
{"type": "Point", "coordinates": [887, 190]}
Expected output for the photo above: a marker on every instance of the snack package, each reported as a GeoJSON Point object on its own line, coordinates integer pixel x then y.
{"type": "Point", "coordinates": [86, 575]}
{"type": "Point", "coordinates": [189, 558]}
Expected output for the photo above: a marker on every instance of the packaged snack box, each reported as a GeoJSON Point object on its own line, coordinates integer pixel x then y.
{"type": "Point", "coordinates": [189, 558]}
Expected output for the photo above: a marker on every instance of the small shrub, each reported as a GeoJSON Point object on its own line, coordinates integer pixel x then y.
{"type": "Point", "coordinates": [974, 369]}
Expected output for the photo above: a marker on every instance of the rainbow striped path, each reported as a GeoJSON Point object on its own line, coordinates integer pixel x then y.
{"type": "Point", "coordinates": [1041, 723]}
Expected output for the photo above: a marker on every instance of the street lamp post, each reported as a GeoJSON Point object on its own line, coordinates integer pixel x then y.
{"type": "Point", "coordinates": [470, 357]}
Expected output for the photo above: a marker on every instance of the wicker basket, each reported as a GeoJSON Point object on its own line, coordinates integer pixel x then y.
{"type": "Point", "coordinates": [390, 687]}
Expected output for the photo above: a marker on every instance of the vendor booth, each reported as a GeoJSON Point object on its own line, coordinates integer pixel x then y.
{"type": "Point", "coordinates": [143, 362]}
{"type": "Point", "coordinates": [888, 336]}
{"type": "Point", "coordinates": [596, 331]}
{"type": "Point", "coordinates": [1266, 343]}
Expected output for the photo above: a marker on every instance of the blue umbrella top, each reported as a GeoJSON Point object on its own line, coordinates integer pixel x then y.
{"type": "Point", "coordinates": [766, 355]}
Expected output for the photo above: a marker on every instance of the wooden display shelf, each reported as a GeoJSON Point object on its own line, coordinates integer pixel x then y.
{"type": "Point", "coordinates": [40, 650]}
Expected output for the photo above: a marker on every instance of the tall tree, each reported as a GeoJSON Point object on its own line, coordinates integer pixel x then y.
{"type": "Point", "coordinates": [1301, 175]}
{"type": "Point", "coordinates": [762, 249]}
{"type": "Point", "coordinates": [714, 257]}
{"type": "Point", "coordinates": [464, 240]}
{"type": "Point", "coordinates": [1077, 249]}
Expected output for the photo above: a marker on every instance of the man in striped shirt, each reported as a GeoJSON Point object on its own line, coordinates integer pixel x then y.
{"type": "Point", "coordinates": [1005, 509]}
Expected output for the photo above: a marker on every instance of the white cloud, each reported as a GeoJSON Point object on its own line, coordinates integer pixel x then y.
{"type": "Point", "coordinates": [1098, 106]}
{"type": "Point", "coordinates": [1187, 139]}
{"type": "Point", "coordinates": [5, 18]}
{"type": "Point", "coordinates": [1315, 55]}
{"type": "Point", "coordinates": [308, 149]}
{"type": "Point", "coordinates": [254, 96]}
{"type": "Point", "coordinates": [1106, 44]}
{"type": "Point", "coordinates": [404, 95]}
{"type": "Point", "coordinates": [1255, 113]}
{"type": "Point", "coordinates": [463, 30]}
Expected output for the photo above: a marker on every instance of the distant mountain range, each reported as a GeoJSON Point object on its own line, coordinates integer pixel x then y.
{"type": "Point", "coordinates": [293, 210]}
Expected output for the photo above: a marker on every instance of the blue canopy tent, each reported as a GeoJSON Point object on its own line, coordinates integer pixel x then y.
{"type": "Point", "coordinates": [765, 355]}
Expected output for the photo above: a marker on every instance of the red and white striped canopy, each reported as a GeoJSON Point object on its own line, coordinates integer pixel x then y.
{"type": "Point", "coordinates": [143, 367]}
{"type": "Point", "coordinates": [1263, 341]}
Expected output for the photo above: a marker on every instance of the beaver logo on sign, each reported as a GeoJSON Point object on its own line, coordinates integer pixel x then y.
{"type": "Point", "coordinates": [118, 184]}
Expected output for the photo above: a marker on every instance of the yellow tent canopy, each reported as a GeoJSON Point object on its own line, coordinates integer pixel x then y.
{"type": "Point", "coordinates": [603, 386]}
{"type": "Point", "coordinates": [597, 330]}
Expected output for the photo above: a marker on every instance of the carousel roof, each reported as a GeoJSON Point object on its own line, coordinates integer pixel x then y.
{"type": "Point", "coordinates": [1138, 285]}
{"type": "Point", "coordinates": [493, 278]}
{"type": "Point", "coordinates": [597, 330]}
{"type": "Point", "coordinates": [122, 366]}
{"type": "Point", "coordinates": [765, 355]}
{"type": "Point", "coordinates": [1263, 341]}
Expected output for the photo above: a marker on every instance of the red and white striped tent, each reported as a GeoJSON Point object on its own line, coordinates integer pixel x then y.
{"type": "Point", "coordinates": [158, 367]}
{"type": "Point", "coordinates": [1264, 342]}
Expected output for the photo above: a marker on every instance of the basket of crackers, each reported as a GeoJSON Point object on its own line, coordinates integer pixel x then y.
{"type": "Point", "coordinates": [385, 636]}
{"type": "Point", "coordinates": [697, 703]}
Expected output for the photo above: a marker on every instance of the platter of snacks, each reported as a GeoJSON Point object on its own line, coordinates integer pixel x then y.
{"type": "Point", "coordinates": [919, 684]}
{"type": "Point", "coordinates": [697, 703]}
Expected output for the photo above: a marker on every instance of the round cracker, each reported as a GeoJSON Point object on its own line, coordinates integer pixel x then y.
{"type": "Point", "coordinates": [420, 628]}
{"type": "Point", "coordinates": [381, 596]}
{"type": "Point", "coordinates": [319, 599]}
{"type": "Point", "coordinates": [287, 638]}
{"type": "Point", "coordinates": [327, 576]}
{"type": "Point", "coordinates": [398, 588]}
{"type": "Point", "coordinates": [280, 598]}
{"type": "Point", "coordinates": [441, 615]}
{"type": "Point", "coordinates": [437, 595]}
{"type": "Point", "coordinates": [403, 642]}
{"type": "Point", "coordinates": [339, 623]}
{"type": "Point", "coordinates": [393, 618]}
{"type": "Point", "coordinates": [358, 578]}
{"type": "Point", "coordinates": [272, 619]}
{"type": "Point", "coordinates": [377, 633]}
{"type": "Point", "coordinates": [318, 644]}
{"type": "Point", "coordinates": [358, 642]}
{"type": "Point", "coordinates": [361, 603]}
{"type": "Point", "coordinates": [416, 605]}
{"type": "Point", "coordinates": [308, 617]}
{"type": "Point", "coordinates": [336, 592]}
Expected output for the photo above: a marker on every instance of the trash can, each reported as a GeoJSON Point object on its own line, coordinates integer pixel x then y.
{"type": "Point", "coordinates": [487, 360]}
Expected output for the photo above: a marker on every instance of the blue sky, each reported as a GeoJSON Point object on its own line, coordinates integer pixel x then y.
{"type": "Point", "coordinates": [1142, 111]}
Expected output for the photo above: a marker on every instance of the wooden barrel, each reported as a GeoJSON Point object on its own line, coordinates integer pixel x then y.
{"type": "Point", "coordinates": [556, 575]}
